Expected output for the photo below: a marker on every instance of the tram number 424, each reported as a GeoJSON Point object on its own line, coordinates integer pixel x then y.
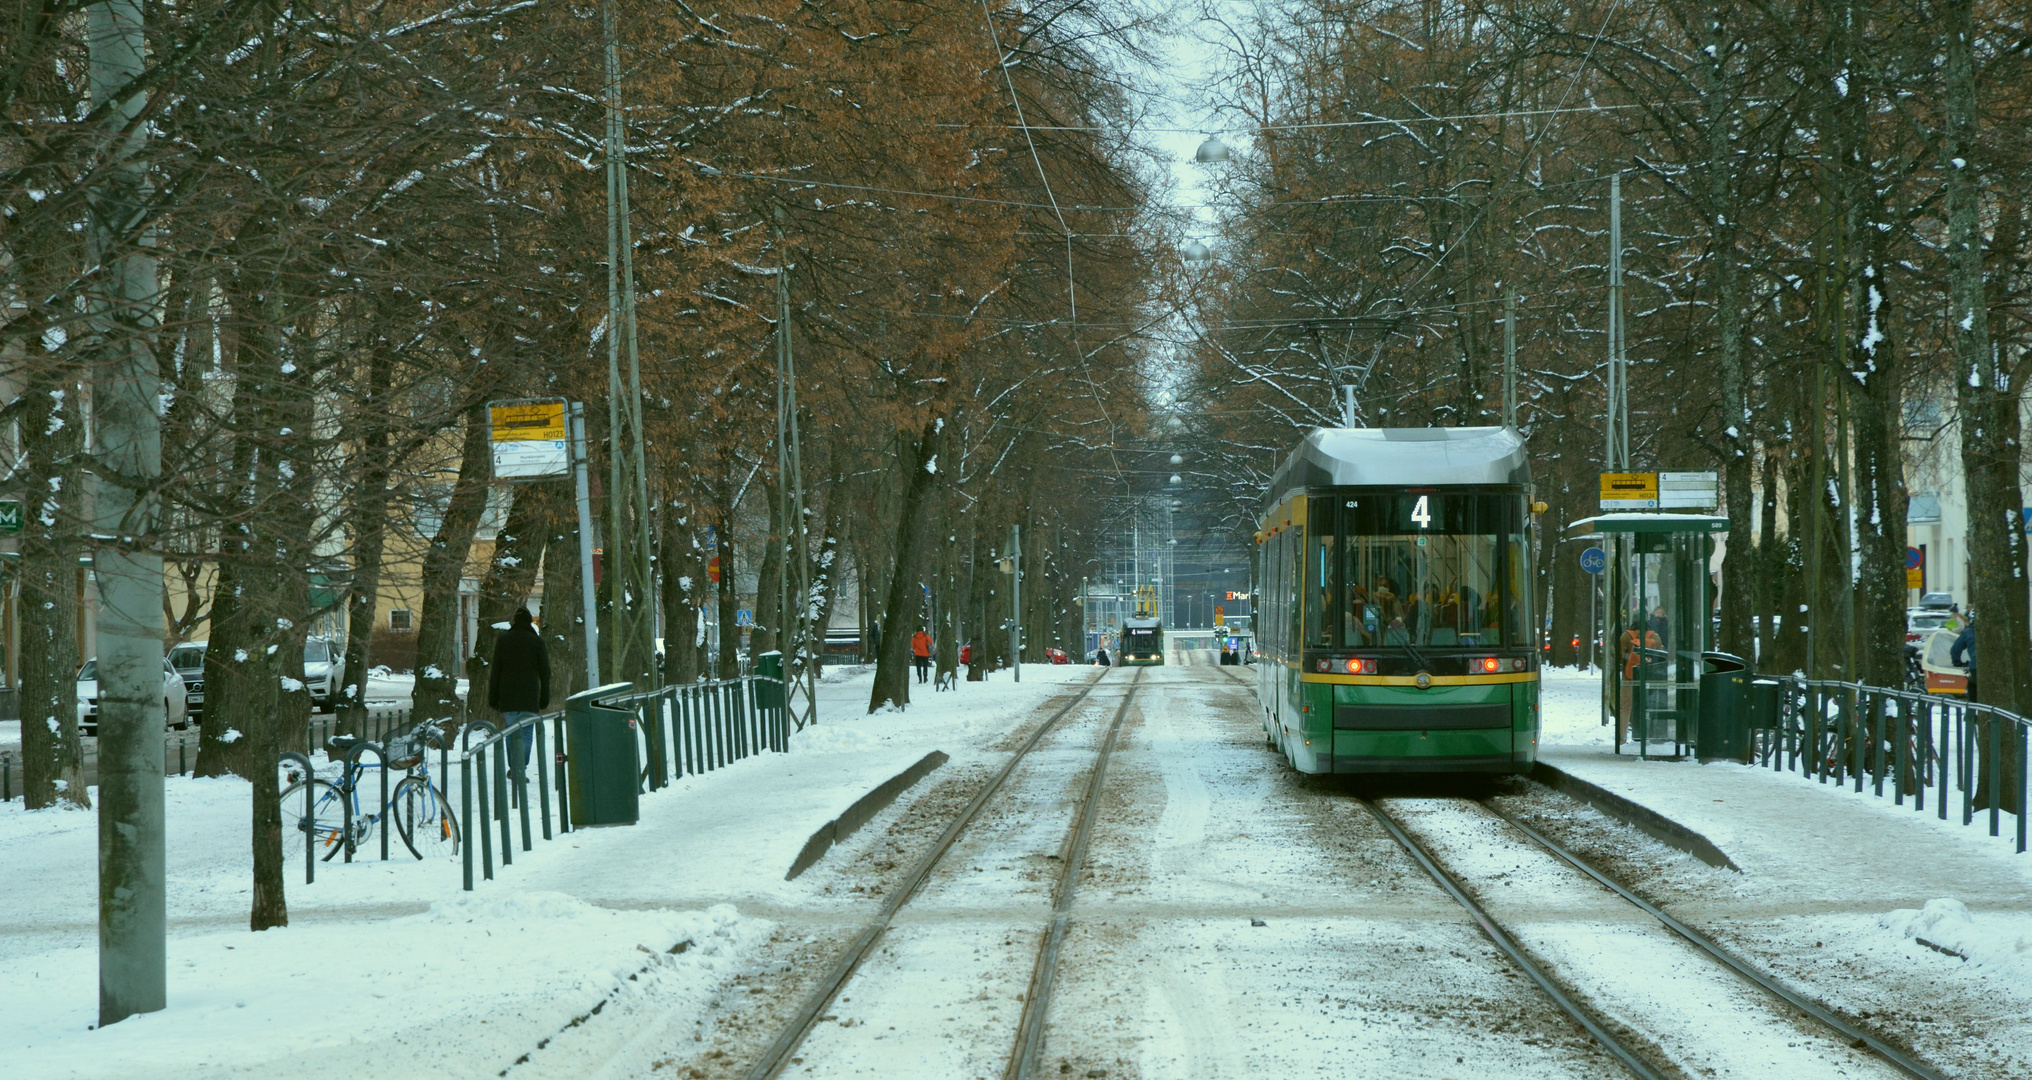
{"type": "Point", "coordinates": [1422, 512]}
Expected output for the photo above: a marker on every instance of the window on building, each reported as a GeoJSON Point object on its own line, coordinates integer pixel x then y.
{"type": "Point", "coordinates": [399, 619]}
{"type": "Point", "coordinates": [1922, 508]}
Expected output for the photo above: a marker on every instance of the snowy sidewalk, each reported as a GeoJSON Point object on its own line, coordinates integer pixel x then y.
{"type": "Point", "coordinates": [381, 956]}
{"type": "Point", "coordinates": [1817, 843]}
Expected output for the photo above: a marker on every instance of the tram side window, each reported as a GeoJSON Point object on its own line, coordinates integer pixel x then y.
{"type": "Point", "coordinates": [1294, 591]}
{"type": "Point", "coordinates": [1320, 556]}
{"type": "Point", "coordinates": [1272, 599]}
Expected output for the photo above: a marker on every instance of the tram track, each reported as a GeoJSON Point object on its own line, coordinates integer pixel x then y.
{"type": "Point", "coordinates": [783, 1050]}
{"type": "Point", "coordinates": [1637, 1049]}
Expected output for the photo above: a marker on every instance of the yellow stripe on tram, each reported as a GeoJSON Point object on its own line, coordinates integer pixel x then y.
{"type": "Point", "coordinates": [1412, 680]}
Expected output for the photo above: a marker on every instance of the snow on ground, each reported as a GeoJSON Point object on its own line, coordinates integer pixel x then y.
{"type": "Point", "coordinates": [394, 957]}
{"type": "Point", "coordinates": [1836, 887]}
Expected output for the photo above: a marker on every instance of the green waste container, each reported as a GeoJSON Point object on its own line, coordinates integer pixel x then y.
{"type": "Point", "coordinates": [769, 695]}
{"type": "Point", "coordinates": [603, 764]}
{"type": "Point", "coordinates": [1765, 697]}
{"type": "Point", "coordinates": [1724, 733]}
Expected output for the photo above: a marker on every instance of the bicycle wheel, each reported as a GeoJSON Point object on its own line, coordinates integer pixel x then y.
{"type": "Point", "coordinates": [327, 821]}
{"type": "Point", "coordinates": [424, 820]}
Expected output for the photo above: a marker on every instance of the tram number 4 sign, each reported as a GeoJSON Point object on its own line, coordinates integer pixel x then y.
{"type": "Point", "coordinates": [1594, 560]}
{"type": "Point", "coordinates": [529, 439]}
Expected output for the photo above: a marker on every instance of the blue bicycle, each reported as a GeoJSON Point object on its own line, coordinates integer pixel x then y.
{"type": "Point", "coordinates": [417, 809]}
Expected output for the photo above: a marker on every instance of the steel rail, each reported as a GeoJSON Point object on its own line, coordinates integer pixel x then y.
{"type": "Point", "coordinates": [779, 1051]}
{"type": "Point", "coordinates": [1023, 1063]}
{"type": "Point", "coordinates": [1508, 947]}
{"type": "Point", "coordinates": [1769, 983]}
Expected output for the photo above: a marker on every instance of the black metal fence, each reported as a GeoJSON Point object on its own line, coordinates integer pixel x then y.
{"type": "Point", "coordinates": [1922, 747]}
{"type": "Point", "coordinates": [680, 731]}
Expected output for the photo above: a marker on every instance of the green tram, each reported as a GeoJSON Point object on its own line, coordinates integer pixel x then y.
{"type": "Point", "coordinates": [1142, 641]}
{"type": "Point", "coordinates": [1394, 624]}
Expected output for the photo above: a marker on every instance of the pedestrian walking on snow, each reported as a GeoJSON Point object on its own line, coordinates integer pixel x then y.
{"type": "Point", "coordinates": [518, 683]}
{"type": "Point", "coordinates": [920, 655]}
{"type": "Point", "coordinates": [1965, 645]}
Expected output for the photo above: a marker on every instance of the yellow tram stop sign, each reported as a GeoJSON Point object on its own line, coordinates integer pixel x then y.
{"type": "Point", "coordinates": [1629, 491]}
{"type": "Point", "coordinates": [529, 439]}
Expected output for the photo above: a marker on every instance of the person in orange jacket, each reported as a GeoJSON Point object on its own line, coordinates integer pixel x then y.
{"type": "Point", "coordinates": [920, 655]}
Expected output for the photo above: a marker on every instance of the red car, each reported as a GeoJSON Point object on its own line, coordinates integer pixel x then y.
{"type": "Point", "coordinates": [1057, 656]}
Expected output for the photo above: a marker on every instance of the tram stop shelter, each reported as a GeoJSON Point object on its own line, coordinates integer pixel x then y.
{"type": "Point", "coordinates": [1660, 606]}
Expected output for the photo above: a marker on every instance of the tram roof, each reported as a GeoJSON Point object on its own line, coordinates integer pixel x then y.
{"type": "Point", "coordinates": [1403, 457]}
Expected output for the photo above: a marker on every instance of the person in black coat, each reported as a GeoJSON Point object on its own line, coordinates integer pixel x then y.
{"type": "Point", "coordinates": [518, 683]}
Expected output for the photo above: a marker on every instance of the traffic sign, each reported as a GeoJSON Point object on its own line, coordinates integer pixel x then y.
{"type": "Point", "coordinates": [1220, 615]}
{"type": "Point", "coordinates": [1594, 560]}
{"type": "Point", "coordinates": [1915, 568]}
{"type": "Point", "coordinates": [713, 569]}
{"type": "Point", "coordinates": [529, 439]}
{"type": "Point", "coordinates": [10, 516]}
{"type": "Point", "coordinates": [1629, 491]}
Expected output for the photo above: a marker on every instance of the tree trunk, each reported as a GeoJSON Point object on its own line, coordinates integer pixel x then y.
{"type": "Point", "coordinates": [683, 581]}
{"type": "Point", "coordinates": [444, 564]}
{"type": "Point", "coordinates": [1880, 482]}
{"type": "Point", "coordinates": [1738, 565]}
{"type": "Point", "coordinates": [563, 616]}
{"type": "Point", "coordinates": [769, 615]}
{"type": "Point", "coordinates": [1990, 424]}
{"type": "Point", "coordinates": [52, 756]}
{"type": "Point", "coordinates": [727, 594]}
{"type": "Point", "coordinates": [367, 515]}
{"type": "Point", "coordinates": [892, 664]}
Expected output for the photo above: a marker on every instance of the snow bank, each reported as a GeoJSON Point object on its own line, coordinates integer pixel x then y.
{"type": "Point", "coordinates": [462, 989]}
{"type": "Point", "coordinates": [1946, 925]}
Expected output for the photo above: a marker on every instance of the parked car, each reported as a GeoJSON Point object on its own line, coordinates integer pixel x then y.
{"type": "Point", "coordinates": [189, 661]}
{"type": "Point", "coordinates": [1921, 621]}
{"type": "Point", "coordinates": [324, 670]}
{"type": "Point", "coordinates": [174, 712]}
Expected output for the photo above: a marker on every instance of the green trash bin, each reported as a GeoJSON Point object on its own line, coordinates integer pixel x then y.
{"type": "Point", "coordinates": [1723, 734]}
{"type": "Point", "coordinates": [603, 764]}
{"type": "Point", "coordinates": [1765, 697]}
{"type": "Point", "coordinates": [769, 695]}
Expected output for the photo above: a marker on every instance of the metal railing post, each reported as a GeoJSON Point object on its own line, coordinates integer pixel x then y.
{"type": "Point", "coordinates": [483, 825]}
{"type": "Point", "coordinates": [466, 804]}
{"type": "Point", "coordinates": [497, 752]}
{"type": "Point", "coordinates": [560, 774]}
{"type": "Point", "coordinates": [542, 776]}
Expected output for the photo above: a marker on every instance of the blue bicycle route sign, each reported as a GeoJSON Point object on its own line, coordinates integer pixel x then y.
{"type": "Point", "coordinates": [1594, 560]}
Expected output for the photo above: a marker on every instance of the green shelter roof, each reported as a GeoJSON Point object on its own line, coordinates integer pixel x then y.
{"type": "Point", "coordinates": [1649, 523]}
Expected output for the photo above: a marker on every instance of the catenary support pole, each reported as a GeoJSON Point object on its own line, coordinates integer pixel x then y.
{"type": "Point", "coordinates": [127, 442]}
{"type": "Point", "coordinates": [1016, 600]}
{"type": "Point", "coordinates": [588, 599]}
{"type": "Point", "coordinates": [1510, 359]}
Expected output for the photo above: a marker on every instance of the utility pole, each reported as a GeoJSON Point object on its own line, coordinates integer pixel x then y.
{"type": "Point", "coordinates": [628, 495]}
{"type": "Point", "coordinates": [800, 677]}
{"type": "Point", "coordinates": [1616, 426]}
{"type": "Point", "coordinates": [127, 441]}
{"type": "Point", "coordinates": [1016, 600]}
{"type": "Point", "coordinates": [588, 596]}
{"type": "Point", "coordinates": [1510, 360]}
{"type": "Point", "coordinates": [1347, 405]}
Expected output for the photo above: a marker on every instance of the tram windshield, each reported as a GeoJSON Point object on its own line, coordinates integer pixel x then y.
{"type": "Point", "coordinates": [1425, 570]}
